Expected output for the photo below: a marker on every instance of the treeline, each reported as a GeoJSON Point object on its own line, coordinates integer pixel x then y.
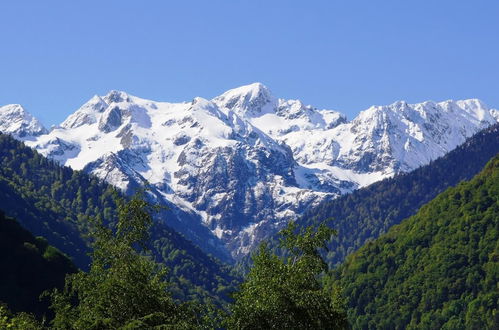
{"type": "Point", "coordinates": [51, 200]}
{"type": "Point", "coordinates": [56, 202]}
{"type": "Point", "coordinates": [436, 270]}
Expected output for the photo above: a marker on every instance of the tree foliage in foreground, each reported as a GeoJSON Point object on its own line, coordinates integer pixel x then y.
{"type": "Point", "coordinates": [287, 294]}
{"type": "Point", "coordinates": [20, 321]}
{"type": "Point", "coordinates": [123, 288]}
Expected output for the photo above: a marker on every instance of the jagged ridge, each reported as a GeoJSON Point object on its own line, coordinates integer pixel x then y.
{"type": "Point", "coordinates": [237, 168]}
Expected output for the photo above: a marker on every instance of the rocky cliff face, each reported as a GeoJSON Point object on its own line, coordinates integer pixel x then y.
{"type": "Point", "coordinates": [237, 168]}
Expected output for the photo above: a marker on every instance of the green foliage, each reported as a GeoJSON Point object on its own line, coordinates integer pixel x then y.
{"type": "Point", "coordinates": [29, 267]}
{"type": "Point", "coordinates": [134, 221]}
{"type": "Point", "coordinates": [20, 321]}
{"type": "Point", "coordinates": [287, 294]}
{"type": "Point", "coordinates": [123, 288]}
{"type": "Point", "coordinates": [437, 269]}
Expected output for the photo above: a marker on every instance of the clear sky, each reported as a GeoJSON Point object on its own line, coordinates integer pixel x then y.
{"type": "Point", "coordinates": [342, 55]}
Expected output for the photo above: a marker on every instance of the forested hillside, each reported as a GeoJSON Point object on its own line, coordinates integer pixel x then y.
{"type": "Point", "coordinates": [50, 200]}
{"type": "Point", "coordinates": [369, 212]}
{"type": "Point", "coordinates": [55, 202]}
{"type": "Point", "coordinates": [437, 269]}
{"type": "Point", "coordinates": [29, 267]}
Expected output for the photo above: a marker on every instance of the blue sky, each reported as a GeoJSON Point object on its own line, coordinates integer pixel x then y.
{"type": "Point", "coordinates": [342, 55]}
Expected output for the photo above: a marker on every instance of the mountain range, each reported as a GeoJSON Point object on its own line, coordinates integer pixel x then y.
{"type": "Point", "coordinates": [235, 169]}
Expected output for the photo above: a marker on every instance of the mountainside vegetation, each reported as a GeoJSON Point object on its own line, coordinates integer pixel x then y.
{"type": "Point", "coordinates": [29, 267]}
{"type": "Point", "coordinates": [56, 202]}
{"type": "Point", "coordinates": [439, 269]}
{"type": "Point", "coordinates": [367, 213]}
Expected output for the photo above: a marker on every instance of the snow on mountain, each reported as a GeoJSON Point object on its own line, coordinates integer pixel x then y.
{"type": "Point", "coordinates": [237, 168]}
{"type": "Point", "coordinates": [495, 114]}
{"type": "Point", "coordinates": [401, 136]}
{"type": "Point", "coordinates": [18, 122]}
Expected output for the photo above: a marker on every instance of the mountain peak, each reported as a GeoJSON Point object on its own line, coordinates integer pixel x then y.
{"type": "Point", "coordinates": [470, 107]}
{"type": "Point", "coordinates": [249, 99]}
{"type": "Point", "coordinates": [15, 120]}
{"type": "Point", "coordinates": [115, 96]}
{"type": "Point", "coordinates": [474, 109]}
{"type": "Point", "coordinates": [86, 114]}
{"type": "Point", "coordinates": [472, 104]}
{"type": "Point", "coordinates": [13, 108]}
{"type": "Point", "coordinates": [253, 90]}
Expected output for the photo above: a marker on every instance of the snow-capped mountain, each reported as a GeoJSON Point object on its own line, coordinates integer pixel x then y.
{"type": "Point", "coordinates": [19, 123]}
{"type": "Point", "coordinates": [236, 168]}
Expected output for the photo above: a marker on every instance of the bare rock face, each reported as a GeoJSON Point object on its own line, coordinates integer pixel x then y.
{"type": "Point", "coordinates": [110, 120]}
{"type": "Point", "coordinates": [236, 169]}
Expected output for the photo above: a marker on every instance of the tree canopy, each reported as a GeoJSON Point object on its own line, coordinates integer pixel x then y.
{"type": "Point", "coordinates": [123, 288]}
{"type": "Point", "coordinates": [287, 293]}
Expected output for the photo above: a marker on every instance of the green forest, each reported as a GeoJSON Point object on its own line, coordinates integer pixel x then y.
{"type": "Point", "coordinates": [439, 269]}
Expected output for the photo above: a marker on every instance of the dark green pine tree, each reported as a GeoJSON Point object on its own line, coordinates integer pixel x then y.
{"type": "Point", "coordinates": [287, 294]}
